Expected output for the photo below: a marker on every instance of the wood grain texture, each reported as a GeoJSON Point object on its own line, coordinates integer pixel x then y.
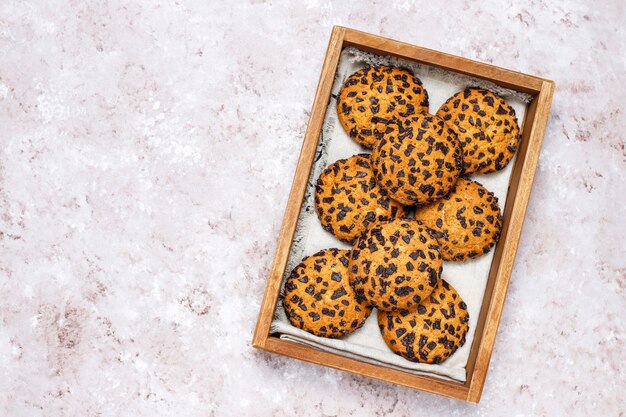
{"type": "Point", "coordinates": [514, 182]}
{"type": "Point", "coordinates": [501, 76]}
{"type": "Point", "coordinates": [298, 187]}
{"type": "Point", "coordinates": [533, 128]}
{"type": "Point", "coordinates": [532, 138]}
{"type": "Point", "coordinates": [425, 383]}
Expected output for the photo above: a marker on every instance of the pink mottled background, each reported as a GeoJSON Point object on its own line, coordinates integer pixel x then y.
{"type": "Point", "coordinates": [146, 153]}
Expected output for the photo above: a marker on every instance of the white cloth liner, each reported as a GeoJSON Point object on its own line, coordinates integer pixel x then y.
{"type": "Point", "coordinates": [469, 278]}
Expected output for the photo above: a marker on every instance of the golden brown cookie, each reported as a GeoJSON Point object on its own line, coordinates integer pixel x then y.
{"type": "Point", "coordinates": [467, 222]}
{"type": "Point", "coordinates": [318, 296]}
{"type": "Point", "coordinates": [419, 160]}
{"type": "Point", "coordinates": [372, 96]}
{"type": "Point", "coordinates": [432, 332]}
{"type": "Point", "coordinates": [395, 265]}
{"type": "Point", "coordinates": [486, 126]}
{"type": "Point", "coordinates": [348, 200]}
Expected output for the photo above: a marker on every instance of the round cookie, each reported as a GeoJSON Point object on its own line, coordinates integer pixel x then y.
{"type": "Point", "coordinates": [348, 199]}
{"type": "Point", "coordinates": [431, 333]}
{"type": "Point", "coordinates": [486, 126]}
{"type": "Point", "coordinates": [467, 222]}
{"type": "Point", "coordinates": [318, 296]}
{"type": "Point", "coordinates": [395, 265]}
{"type": "Point", "coordinates": [419, 160]}
{"type": "Point", "coordinates": [372, 96]}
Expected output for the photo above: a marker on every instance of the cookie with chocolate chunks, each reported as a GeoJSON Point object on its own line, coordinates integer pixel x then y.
{"type": "Point", "coordinates": [419, 160]}
{"type": "Point", "coordinates": [395, 265]}
{"type": "Point", "coordinates": [348, 199]}
{"type": "Point", "coordinates": [486, 126]}
{"type": "Point", "coordinates": [372, 96]}
{"type": "Point", "coordinates": [467, 222]}
{"type": "Point", "coordinates": [318, 297]}
{"type": "Point", "coordinates": [432, 332]}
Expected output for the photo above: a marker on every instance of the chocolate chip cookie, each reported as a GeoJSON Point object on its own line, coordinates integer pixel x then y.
{"type": "Point", "coordinates": [432, 332]}
{"type": "Point", "coordinates": [318, 296]}
{"type": "Point", "coordinates": [486, 126]}
{"type": "Point", "coordinates": [372, 96]}
{"type": "Point", "coordinates": [467, 222]}
{"type": "Point", "coordinates": [419, 160]}
{"type": "Point", "coordinates": [348, 199]}
{"type": "Point", "coordinates": [395, 265]}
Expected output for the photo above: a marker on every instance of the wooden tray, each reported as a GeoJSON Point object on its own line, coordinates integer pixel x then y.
{"type": "Point", "coordinates": [521, 180]}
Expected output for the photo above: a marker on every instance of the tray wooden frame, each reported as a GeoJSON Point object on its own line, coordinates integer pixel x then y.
{"type": "Point", "coordinates": [533, 128]}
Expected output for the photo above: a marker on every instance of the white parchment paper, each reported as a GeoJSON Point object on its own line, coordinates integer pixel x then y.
{"type": "Point", "coordinates": [469, 278]}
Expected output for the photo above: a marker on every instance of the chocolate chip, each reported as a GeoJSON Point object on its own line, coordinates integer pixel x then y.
{"type": "Point", "coordinates": [403, 291]}
{"type": "Point", "coordinates": [423, 340]}
{"type": "Point", "coordinates": [338, 293]}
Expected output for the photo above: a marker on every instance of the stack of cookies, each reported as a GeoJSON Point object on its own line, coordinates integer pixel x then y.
{"type": "Point", "coordinates": [406, 207]}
